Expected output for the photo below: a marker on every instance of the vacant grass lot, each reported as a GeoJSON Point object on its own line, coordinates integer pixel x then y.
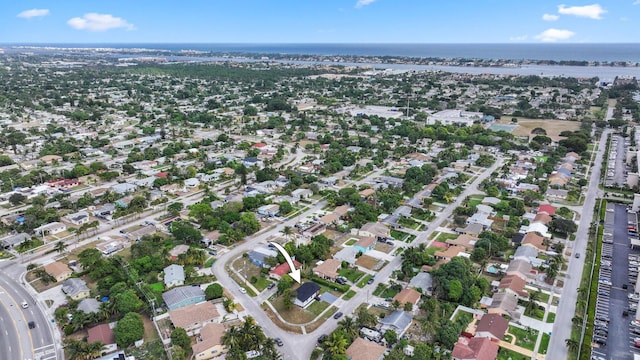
{"type": "Point", "coordinates": [351, 274]}
{"type": "Point", "coordinates": [524, 338]}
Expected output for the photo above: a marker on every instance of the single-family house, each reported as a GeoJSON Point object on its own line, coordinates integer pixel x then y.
{"type": "Point", "coordinates": [301, 194]}
{"type": "Point", "coordinates": [514, 284]}
{"type": "Point", "coordinates": [183, 296]}
{"type": "Point", "coordinates": [477, 348]}
{"type": "Point", "coordinates": [397, 321]}
{"type": "Point", "coordinates": [347, 254]}
{"type": "Point", "coordinates": [106, 211]}
{"type": "Point", "coordinates": [521, 268]}
{"type": "Point", "coordinates": [58, 271]}
{"type": "Point", "coordinates": [328, 269]}
{"type": "Point", "coordinates": [14, 240]}
{"type": "Point", "coordinates": [492, 326]}
{"type": "Point", "coordinates": [279, 271]}
{"type": "Point", "coordinates": [195, 316]}
{"type": "Point", "coordinates": [210, 342]}
{"type": "Point", "coordinates": [504, 303]}
{"type": "Point", "coordinates": [466, 241]}
{"type": "Point", "coordinates": [75, 288]}
{"type": "Point", "coordinates": [407, 295]}
{"type": "Point", "coordinates": [450, 253]}
{"type": "Point", "coordinates": [177, 251]}
{"type": "Point", "coordinates": [79, 218]}
{"type": "Point", "coordinates": [174, 275]}
{"type": "Point", "coordinates": [123, 188]}
{"type": "Point", "coordinates": [365, 244]}
{"type": "Point", "coordinates": [314, 230]}
{"type": "Point", "coordinates": [423, 282]}
{"type": "Point", "coordinates": [362, 349]}
{"type": "Point", "coordinates": [104, 334]}
{"type": "Point", "coordinates": [375, 230]}
{"type": "Point", "coordinates": [306, 293]}
{"type": "Point", "coordinates": [269, 210]}
{"type": "Point", "coordinates": [89, 306]}
{"type": "Point", "coordinates": [473, 229]}
{"type": "Point", "coordinates": [547, 208]}
{"type": "Point", "coordinates": [532, 239]}
{"type": "Point", "coordinates": [50, 228]}
{"type": "Point", "coordinates": [258, 255]}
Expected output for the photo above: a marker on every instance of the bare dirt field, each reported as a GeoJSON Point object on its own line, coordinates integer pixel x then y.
{"type": "Point", "coordinates": [552, 127]}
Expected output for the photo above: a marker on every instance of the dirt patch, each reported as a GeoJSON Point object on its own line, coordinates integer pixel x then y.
{"type": "Point", "coordinates": [280, 324]}
{"type": "Point", "coordinates": [150, 332]}
{"type": "Point", "coordinates": [552, 127]}
{"type": "Point", "coordinates": [383, 247]}
{"type": "Point", "coordinates": [367, 262]}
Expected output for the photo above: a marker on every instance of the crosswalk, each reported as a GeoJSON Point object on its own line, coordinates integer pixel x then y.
{"type": "Point", "coordinates": [47, 352]}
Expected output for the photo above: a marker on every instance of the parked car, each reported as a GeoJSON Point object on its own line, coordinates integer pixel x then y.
{"type": "Point", "coordinates": [337, 315]}
{"type": "Point", "coordinates": [279, 342]}
{"type": "Point", "coordinates": [322, 338]}
{"type": "Point", "coordinates": [271, 286]}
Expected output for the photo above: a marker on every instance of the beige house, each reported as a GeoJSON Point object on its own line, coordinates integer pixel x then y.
{"type": "Point", "coordinates": [210, 344]}
{"type": "Point", "coordinates": [193, 317]}
{"type": "Point", "coordinates": [58, 271]}
{"type": "Point", "coordinates": [328, 269]}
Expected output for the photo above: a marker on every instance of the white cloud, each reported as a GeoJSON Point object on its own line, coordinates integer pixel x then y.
{"type": "Point", "coordinates": [637, 2]}
{"type": "Point", "coordinates": [28, 14]}
{"type": "Point", "coordinates": [518, 38]}
{"type": "Point", "coordinates": [99, 22]}
{"type": "Point", "coordinates": [552, 35]}
{"type": "Point", "coordinates": [550, 17]}
{"type": "Point", "coordinates": [593, 11]}
{"type": "Point", "coordinates": [362, 3]}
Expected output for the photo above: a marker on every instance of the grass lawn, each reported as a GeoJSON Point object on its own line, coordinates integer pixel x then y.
{"type": "Point", "coordinates": [156, 286]}
{"type": "Point", "coordinates": [209, 262]}
{"type": "Point", "coordinates": [410, 238]}
{"type": "Point", "coordinates": [408, 223]}
{"type": "Point", "coordinates": [475, 202]}
{"type": "Point", "coordinates": [446, 236]}
{"type": "Point", "coordinates": [317, 307]}
{"type": "Point", "coordinates": [551, 317]}
{"type": "Point", "coordinates": [389, 293]}
{"type": "Point", "coordinates": [295, 315]}
{"type": "Point", "coordinates": [362, 283]}
{"type": "Point", "coordinates": [544, 297]}
{"type": "Point", "coordinates": [349, 295]}
{"type": "Point", "coordinates": [398, 235]}
{"type": "Point", "coordinates": [504, 354]}
{"type": "Point", "coordinates": [524, 339]}
{"type": "Point", "coordinates": [262, 283]}
{"type": "Point", "coordinates": [379, 290]}
{"type": "Point", "coordinates": [350, 242]}
{"type": "Point", "coordinates": [351, 274]}
{"type": "Point", "coordinates": [544, 343]}
{"type": "Point", "coordinates": [537, 313]}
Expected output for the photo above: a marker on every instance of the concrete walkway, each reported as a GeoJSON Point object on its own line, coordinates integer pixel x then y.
{"type": "Point", "coordinates": [519, 350]}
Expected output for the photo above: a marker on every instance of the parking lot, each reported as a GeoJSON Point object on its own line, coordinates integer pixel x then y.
{"type": "Point", "coordinates": [614, 334]}
{"type": "Point", "coordinates": [616, 168]}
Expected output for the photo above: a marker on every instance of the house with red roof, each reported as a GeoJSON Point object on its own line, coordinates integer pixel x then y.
{"type": "Point", "coordinates": [477, 348]}
{"type": "Point", "coordinates": [283, 269]}
{"type": "Point", "coordinates": [162, 174]}
{"type": "Point", "coordinates": [548, 208]}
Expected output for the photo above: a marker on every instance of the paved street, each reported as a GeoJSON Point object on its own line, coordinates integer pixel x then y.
{"type": "Point", "coordinates": [299, 347]}
{"type": "Point", "coordinates": [19, 341]}
{"type": "Point", "coordinates": [567, 307]}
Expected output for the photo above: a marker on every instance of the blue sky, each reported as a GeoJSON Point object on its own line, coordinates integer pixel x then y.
{"type": "Point", "coordinates": [319, 21]}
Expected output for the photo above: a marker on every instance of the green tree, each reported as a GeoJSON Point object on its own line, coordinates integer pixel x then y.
{"type": "Point", "coordinates": [213, 291]}
{"type": "Point", "coordinates": [179, 337]}
{"type": "Point", "coordinates": [455, 290]}
{"type": "Point", "coordinates": [128, 301]}
{"type": "Point", "coordinates": [129, 329]}
{"type": "Point", "coordinates": [391, 337]}
{"type": "Point", "coordinates": [185, 233]}
{"type": "Point", "coordinates": [175, 208]}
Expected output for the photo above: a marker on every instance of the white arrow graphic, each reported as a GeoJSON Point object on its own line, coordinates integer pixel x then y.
{"type": "Point", "coordinates": [295, 273]}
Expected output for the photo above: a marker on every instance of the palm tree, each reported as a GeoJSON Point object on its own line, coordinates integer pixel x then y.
{"type": "Point", "coordinates": [572, 345]}
{"type": "Point", "coordinates": [335, 344]}
{"type": "Point", "coordinates": [287, 232]}
{"type": "Point", "coordinates": [577, 321]}
{"type": "Point", "coordinates": [349, 326]}
{"type": "Point", "coordinates": [60, 246]}
{"type": "Point", "coordinates": [231, 337]}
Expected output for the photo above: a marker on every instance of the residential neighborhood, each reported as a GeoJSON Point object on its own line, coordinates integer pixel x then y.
{"type": "Point", "coordinates": [267, 210]}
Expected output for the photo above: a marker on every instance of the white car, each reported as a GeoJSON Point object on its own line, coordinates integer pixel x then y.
{"type": "Point", "coordinates": [243, 290]}
{"type": "Point", "coordinates": [24, 304]}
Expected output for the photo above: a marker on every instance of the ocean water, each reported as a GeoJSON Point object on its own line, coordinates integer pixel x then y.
{"type": "Point", "coordinates": [555, 52]}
